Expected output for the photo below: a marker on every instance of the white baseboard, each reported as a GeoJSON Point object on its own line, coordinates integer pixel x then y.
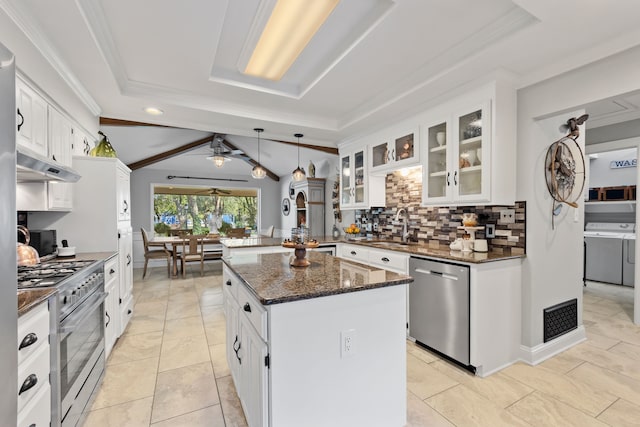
{"type": "Point", "coordinates": [542, 352]}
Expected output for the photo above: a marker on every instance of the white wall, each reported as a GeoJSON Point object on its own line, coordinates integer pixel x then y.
{"type": "Point", "coordinates": [552, 269]}
{"type": "Point", "coordinates": [32, 64]}
{"type": "Point", "coordinates": [601, 174]}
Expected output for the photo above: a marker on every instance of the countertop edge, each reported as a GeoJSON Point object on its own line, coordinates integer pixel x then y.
{"type": "Point", "coordinates": [34, 298]}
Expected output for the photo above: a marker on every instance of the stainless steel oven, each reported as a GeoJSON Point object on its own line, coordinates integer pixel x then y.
{"type": "Point", "coordinates": [81, 345]}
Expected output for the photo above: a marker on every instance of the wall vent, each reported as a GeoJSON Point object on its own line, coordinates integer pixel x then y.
{"type": "Point", "coordinates": [560, 319]}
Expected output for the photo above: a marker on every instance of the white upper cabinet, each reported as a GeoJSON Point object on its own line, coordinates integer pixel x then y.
{"type": "Point", "coordinates": [468, 155]}
{"type": "Point", "coordinates": [358, 189]}
{"type": "Point", "coordinates": [457, 161]}
{"type": "Point", "coordinates": [82, 143]}
{"type": "Point", "coordinates": [399, 149]}
{"type": "Point", "coordinates": [31, 120]}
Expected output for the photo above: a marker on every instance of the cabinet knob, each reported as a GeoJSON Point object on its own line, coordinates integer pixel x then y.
{"type": "Point", "coordinates": [129, 311]}
{"type": "Point", "coordinates": [455, 178]}
{"type": "Point", "coordinates": [353, 253]}
{"type": "Point", "coordinates": [21, 120]}
{"type": "Point", "coordinates": [126, 206]}
{"type": "Point", "coordinates": [128, 259]}
{"type": "Point", "coordinates": [247, 307]}
{"type": "Point", "coordinates": [384, 259]}
{"type": "Point", "coordinates": [448, 174]}
{"type": "Point", "coordinates": [108, 319]}
{"type": "Point", "coordinates": [28, 340]}
{"type": "Point", "coordinates": [28, 384]}
{"type": "Point", "coordinates": [228, 282]}
{"type": "Point", "coordinates": [111, 271]}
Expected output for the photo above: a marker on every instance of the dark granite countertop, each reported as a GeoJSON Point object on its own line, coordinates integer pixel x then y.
{"type": "Point", "coordinates": [441, 251]}
{"type": "Point", "coordinates": [30, 298]}
{"type": "Point", "coordinates": [274, 281]}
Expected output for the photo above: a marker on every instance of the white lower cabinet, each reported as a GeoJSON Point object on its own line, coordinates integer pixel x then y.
{"type": "Point", "coordinates": [111, 311]}
{"type": "Point", "coordinates": [34, 356]}
{"type": "Point", "coordinates": [125, 255]}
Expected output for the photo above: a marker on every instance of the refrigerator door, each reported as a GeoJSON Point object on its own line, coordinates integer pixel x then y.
{"type": "Point", "coordinates": [8, 264]}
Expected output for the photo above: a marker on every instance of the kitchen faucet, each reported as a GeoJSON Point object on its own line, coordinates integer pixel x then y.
{"type": "Point", "coordinates": [405, 232]}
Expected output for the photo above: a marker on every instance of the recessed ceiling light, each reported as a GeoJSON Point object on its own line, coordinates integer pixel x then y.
{"type": "Point", "coordinates": [153, 111]}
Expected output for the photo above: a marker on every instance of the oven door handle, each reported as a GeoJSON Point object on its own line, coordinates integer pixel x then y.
{"type": "Point", "coordinates": [72, 322]}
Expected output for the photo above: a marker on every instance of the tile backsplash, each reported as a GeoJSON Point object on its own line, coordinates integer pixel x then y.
{"type": "Point", "coordinates": [438, 226]}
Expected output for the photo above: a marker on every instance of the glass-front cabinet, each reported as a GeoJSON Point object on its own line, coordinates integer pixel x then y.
{"type": "Point", "coordinates": [457, 166]}
{"type": "Point", "coordinates": [353, 176]}
{"type": "Point", "coordinates": [400, 149]}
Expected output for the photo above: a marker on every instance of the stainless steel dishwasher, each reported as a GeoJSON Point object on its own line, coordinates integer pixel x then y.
{"type": "Point", "coordinates": [439, 307]}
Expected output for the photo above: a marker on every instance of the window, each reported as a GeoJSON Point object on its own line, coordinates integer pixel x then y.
{"type": "Point", "coordinates": [203, 210]}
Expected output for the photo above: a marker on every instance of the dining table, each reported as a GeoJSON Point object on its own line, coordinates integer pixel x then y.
{"type": "Point", "coordinates": [179, 241]}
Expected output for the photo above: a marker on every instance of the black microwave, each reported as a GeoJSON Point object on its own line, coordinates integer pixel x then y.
{"type": "Point", "coordinates": [44, 241]}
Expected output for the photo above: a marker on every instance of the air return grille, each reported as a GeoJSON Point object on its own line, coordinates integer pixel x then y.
{"type": "Point", "coordinates": [560, 319]}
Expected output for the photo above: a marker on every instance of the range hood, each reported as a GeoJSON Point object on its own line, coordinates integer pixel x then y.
{"type": "Point", "coordinates": [34, 167]}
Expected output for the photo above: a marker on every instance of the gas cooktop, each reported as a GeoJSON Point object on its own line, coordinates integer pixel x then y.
{"type": "Point", "coordinates": [49, 273]}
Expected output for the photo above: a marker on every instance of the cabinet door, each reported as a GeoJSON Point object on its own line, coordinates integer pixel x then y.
{"type": "Point", "coordinates": [437, 174]}
{"type": "Point", "coordinates": [32, 119]}
{"type": "Point", "coordinates": [60, 194]}
{"type": "Point", "coordinates": [400, 149]}
{"type": "Point", "coordinates": [346, 186]}
{"type": "Point", "coordinates": [254, 374]}
{"type": "Point", "coordinates": [124, 191]}
{"type": "Point", "coordinates": [380, 155]}
{"type": "Point", "coordinates": [82, 144]}
{"type": "Point", "coordinates": [359, 178]}
{"type": "Point", "coordinates": [125, 247]}
{"type": "Point", "coordinates": [231, 310]}
{"type": "Point", "coordinates": [111, 316]}
{"type": "Point", "coordinates": [472, 138]}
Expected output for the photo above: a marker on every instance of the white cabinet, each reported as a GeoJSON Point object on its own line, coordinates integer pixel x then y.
{"type": "Point", "coordinates": [34, 353]}
{"type": "Point", "coordinates": [125, 255]}
{"type": "Point", "coordinates": [247, 349]}
{"type": "Point", "coordinates": [123, 189]}
{"type": "Point", "coordinates": [111, 312]}
{"type": "Point", "coordinates": [397, 149]}
{"type": "Point", "coordinates": [309, 205]}
{"type": "Point", "coordinates": [457, 167]}
{"type": "Point", "coordinates": [32, 119]}
{"type": "Point", "coordinates": [358, 189]}
{"type": "Point", "coordinates": [387, 259]}
{"type": "Point", "coordinates": [82, 143]}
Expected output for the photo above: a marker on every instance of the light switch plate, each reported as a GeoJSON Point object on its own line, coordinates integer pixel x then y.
{"type": "Point", "coordinates": [490, 231]}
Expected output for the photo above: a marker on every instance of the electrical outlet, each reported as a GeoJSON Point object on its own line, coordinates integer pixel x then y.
{"type": "Point", "coordinates": [348, 343]}
{"type": "Point", "coordinates": [490, 231]}
{"type": "Point", "coordinates": [507, 216]}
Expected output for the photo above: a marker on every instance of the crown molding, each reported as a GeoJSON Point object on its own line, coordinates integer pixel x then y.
{"type": "Point", "coordinates": [17, 13]}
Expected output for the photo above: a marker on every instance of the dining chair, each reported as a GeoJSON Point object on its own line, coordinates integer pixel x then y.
{"type": "Point", "coordinates": [192, 251]}
{"type": "Point", "coordinates": [269, 232]}
{"type": "Point", "coordinates": [149, 253]}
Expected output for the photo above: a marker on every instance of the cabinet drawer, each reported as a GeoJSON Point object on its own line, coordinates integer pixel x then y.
{"type": "Point", "coordinates": [126, 312]}
{"type": "Point", "coordinates": [389, 260]}
{"type": "Point", "coordinates": [230, 282]}
{"type": "Point", "coordinates": [355, 253]}
{"type": "Point", "coordinates": [35, 370]}
{"type": "Point", "coordinates": [111, 270]}
{"type": "Point", "coordinates": [33, 331]}
{"type": "Point", "coordinates": [38, 411]}
{"type": "Point", "coordinates": [253, 310]}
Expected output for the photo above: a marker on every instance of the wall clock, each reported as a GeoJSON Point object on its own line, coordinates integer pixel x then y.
{"type": "Point", "coordinates": [286, 206]}
{"type": "Point", "coordinates": [292, 191]}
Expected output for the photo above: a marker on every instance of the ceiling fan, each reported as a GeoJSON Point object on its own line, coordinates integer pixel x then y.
{"type": "Point", "coordinates": [221, 154]}
{"type": "Point", "coordinates": [213, 191]}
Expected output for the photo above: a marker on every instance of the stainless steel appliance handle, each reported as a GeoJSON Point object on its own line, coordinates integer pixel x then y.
{"type": "Point", "coordinates": [72, 322]}
{"type": "Point", "coordinates": [436, 273]}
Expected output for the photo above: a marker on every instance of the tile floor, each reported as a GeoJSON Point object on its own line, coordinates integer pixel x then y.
{"type": "Point", "coordinates": [169, 369]}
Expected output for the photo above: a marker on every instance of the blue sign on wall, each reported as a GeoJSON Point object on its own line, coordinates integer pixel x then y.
{"type": "Point", "coordinates": [618, 164]}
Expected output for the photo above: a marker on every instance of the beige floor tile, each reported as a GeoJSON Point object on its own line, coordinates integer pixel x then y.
{"type": "Point", "coordinates": [135, 347]}
{"type": "Point", "coordinates": [231, 407]}
{"type": "Point", "coordinates": [621, 413]}
{"type": "Point", "coordinates": [155, 308]}
{"type": "Point", "coordinates": [136, 413]}
{"type": "Point", "coordinates": [617, 329]}
{"type": "Point", "coordinates": [184, 297]}
{"type": "Point", "coordinates": [498, 388]}
{"type": "Point", "coordinates": [213, 315]}
{"type": "Point", "coordinates": [606, 359]}
{"type": "Point", "coordinates": [182, 308]}
{"type": "Point", "coordinates": [600, 341]}
{"type": "Point", "coordinates": [207, 417]}
{"type": "Point", "coordinates": [625, 349]}
{"type": "Point", "coordinates": [464, 407]}
{"type": "Point", "coordinates": [145, 324]}
{"type": "Point", "coordinates": [419, 414]}
{"type": "Point", "coordinates": [614, 383]}
{"type": "Point", "coordinates": [185, 327]}
{"type": "Point", "coordinates": [541, 410]}
{"type": "Point", "coordinates": [153, 295]}
{"type": "Point", "coordinates": [216, 334]}
{"type": "Point", "coordinates": [184, 390]}
{"type": "Point", "coordinates": [421, 353]}
{"type": "Point", "coordinates": [604, 307]}
{"type": "Point", "coordinates": [126, 382]}
{"type": "Point", "coordinates": [424, 380]}
{"type": "Point", "coordinates": [180, 352]}
{"type": "Point", "coordinates": [589, 399]}
{"type": "Point", "coordinates": [218, 356]}
{"type": "Point", "coordinates": [211, 297]}
{"type": "Point", "coordinates": [562, 363]}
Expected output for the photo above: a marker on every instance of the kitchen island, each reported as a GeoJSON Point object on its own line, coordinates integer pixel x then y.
{"type": "Point", "coordinates": [316, 346]}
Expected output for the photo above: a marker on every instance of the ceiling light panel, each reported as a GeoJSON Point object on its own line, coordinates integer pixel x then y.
{"type": "Point", "coordinates": [289, 29]}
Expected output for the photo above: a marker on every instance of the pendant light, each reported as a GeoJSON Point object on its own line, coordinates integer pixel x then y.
{"type": "Point", "coordinates": [298, 173]}
{"type": "Point", "coordinates": [258, 171]}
